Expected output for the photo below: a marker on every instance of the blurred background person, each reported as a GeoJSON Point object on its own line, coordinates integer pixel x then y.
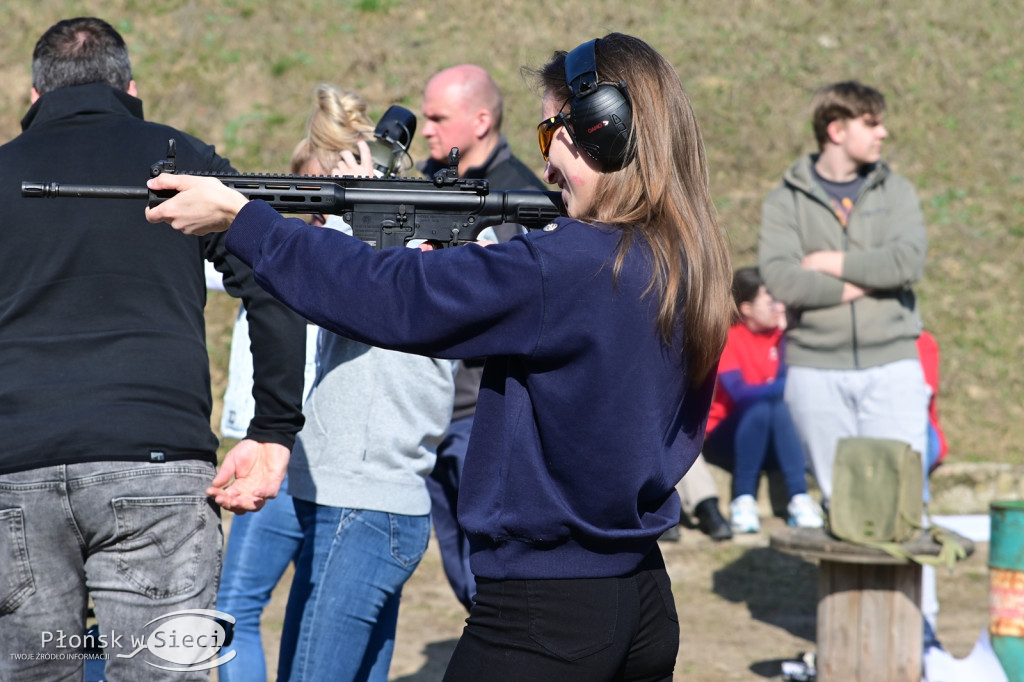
{"type": "Point", "coordinates": [749, 424]}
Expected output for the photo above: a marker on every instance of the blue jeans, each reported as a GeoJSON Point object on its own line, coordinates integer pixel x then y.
{"type": "Point", "coordinates": [930, 458]}
{"type": "Point", "coordinates": [753, 436]}
{"type": "Point", "coordinates": [343, 608]}
{"type": "Point", "coordinates": [143, 540]}
{"type": "Point", "coordinates": [443, 486]}
{"type": "Point", "coordinates": [260, 547]}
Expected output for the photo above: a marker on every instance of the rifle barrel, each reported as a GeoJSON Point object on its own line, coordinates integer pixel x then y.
{"type": "Point", "coordinates": [56, 189]}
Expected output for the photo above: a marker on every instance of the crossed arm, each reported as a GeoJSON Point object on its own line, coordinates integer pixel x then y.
{"type": "Point", "coordinates": [831, 263]}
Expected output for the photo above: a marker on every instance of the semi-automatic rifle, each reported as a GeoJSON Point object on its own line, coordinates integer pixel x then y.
{"type": "Point", "coordinates": [383, 212]}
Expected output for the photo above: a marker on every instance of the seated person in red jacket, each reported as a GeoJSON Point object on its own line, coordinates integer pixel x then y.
{"type": "Point", "coordinates": [749, 424]}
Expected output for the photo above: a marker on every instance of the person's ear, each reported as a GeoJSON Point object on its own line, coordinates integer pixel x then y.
{"type": "Point", "coordinates": [34, 95]}
{"type": "Point", "coordinates": [482, 123]}
{"type": "Point", "coordinates": [745, 308]}
{"type": "Point", "coordinates": [836, 130]}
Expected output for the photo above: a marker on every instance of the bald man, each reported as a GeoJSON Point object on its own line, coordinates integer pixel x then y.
{"type": "Point", "coordinates": [462, 107]}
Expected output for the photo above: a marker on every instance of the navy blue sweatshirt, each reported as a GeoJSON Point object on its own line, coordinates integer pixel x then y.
{"type": "Point", "coordinates": [584, 423]}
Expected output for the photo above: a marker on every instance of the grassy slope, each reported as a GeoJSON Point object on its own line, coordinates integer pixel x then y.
{"type": "Point", "coordinates": [239, 73]}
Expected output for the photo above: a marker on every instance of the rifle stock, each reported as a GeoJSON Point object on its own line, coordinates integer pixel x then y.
{"type": "Point", "coordinates": [381, 211]}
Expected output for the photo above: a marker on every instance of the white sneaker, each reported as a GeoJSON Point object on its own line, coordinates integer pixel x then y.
{"type": "Point", "coordinates": [743, 515]}
{"type": "Point", "coordinates": [803, 512]}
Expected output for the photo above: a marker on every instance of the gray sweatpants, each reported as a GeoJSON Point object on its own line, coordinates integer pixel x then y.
{"type": "Point", "coordinates": [888, 401]}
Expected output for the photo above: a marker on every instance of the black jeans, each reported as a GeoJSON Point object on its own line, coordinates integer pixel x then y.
{"type": "Point", "coordinates": [586, 629]}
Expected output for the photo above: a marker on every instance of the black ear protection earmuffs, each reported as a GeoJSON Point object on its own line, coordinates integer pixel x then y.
{"type": "Point", "coordinates": [601, 113]}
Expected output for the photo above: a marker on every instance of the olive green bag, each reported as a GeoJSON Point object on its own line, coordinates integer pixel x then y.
{"type": "Point", "coordinates": [878, 499]}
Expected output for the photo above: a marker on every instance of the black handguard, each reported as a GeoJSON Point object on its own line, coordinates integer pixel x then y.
{"type": "Point", "coordinates": [383, 212]}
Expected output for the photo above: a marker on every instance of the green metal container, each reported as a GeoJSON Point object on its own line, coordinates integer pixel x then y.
{"type": "Point", "coordinates": [1006, 586]}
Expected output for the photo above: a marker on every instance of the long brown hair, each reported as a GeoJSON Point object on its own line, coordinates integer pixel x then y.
{"type": "Point", "coordinates": [661, 197]}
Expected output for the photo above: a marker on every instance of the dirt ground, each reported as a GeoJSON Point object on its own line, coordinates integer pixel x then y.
{"type": "Point", "coordinates": [744, 607]}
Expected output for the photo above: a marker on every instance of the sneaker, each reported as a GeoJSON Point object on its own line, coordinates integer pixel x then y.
{"type": "Point", "coordinates": [743, 515]}
{"type": "Point", "coordinates": [803, 512]}
{"type": "Point", "coordinates": [710, 520]}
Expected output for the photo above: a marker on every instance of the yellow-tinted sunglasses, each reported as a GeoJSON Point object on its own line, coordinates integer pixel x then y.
{"type": "Point", "coordinates": [546, 131]}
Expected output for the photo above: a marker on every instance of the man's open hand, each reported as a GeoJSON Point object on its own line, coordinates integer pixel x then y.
{"type": "Point", "coordinates": [251, 474]}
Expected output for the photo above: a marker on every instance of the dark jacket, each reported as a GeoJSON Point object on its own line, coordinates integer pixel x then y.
{"type": "Point", "coordinates": [102, 329]}
{"type": "Point", "coordinates": [503, 171]}
{"type": "Point", "coordinates": [585, 421]}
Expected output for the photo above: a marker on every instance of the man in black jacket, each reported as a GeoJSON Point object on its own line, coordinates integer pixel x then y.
{"type": "Point", "coordinates": [462, 107]}
{"type": "Point", "coordinates": [108, 457]}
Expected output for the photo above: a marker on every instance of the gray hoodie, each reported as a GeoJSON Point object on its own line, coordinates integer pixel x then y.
{"type": "Point", "coordinates": [373, 422]}
{"type": "Point", "coordinates": [884, 243]}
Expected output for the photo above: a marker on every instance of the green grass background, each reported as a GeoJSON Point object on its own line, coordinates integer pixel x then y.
{"type": "Point", "coordinates": [239, 74]}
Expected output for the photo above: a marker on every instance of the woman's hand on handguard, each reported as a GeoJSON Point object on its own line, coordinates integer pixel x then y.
{"type": "Point", "coordinates": [202, 205]}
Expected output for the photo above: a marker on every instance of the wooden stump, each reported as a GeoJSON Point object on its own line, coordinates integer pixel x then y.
{"type": "Point", "coordinates": [870, 627]}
